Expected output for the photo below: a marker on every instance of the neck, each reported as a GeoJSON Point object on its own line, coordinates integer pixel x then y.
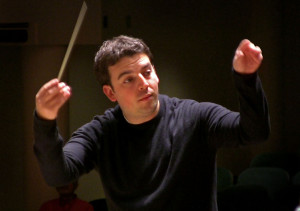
{"type": "Point", "coordinates": [142, 119]}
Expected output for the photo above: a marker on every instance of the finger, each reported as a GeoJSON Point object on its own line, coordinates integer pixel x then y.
{"type": "Point", "coordinates": [56, 93]}
{"type": "Point", "coordinates": [49, 108]}
{"type": "Point", "coordinates": [65, 93]}
{"type": "Point", "coordinates": [254, 52]}
{"type": "Point", "coordinates": [239, 53]}
{"type": "Point", "coordinates": [246, 46]}
{"type": "Point", "coordinates": [57, 102]}
{"type": "Point", "coordinates": [250, 50]}
{"type": "Point", "coordinates": [48, 86]}
{"type": "Point", "coordinates": [50, 90]}
{"type": "Point", "coordinates": [51, 83]}
{"type": "Point", "coordinates": [243, 44]}
{"type": "Point", "coordinates": [253, 48]}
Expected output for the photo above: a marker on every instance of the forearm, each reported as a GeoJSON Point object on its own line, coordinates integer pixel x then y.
{"type": "Point", "coordinates": [48, 148]}
{"type": "Point", "coordinates": [254, 115]}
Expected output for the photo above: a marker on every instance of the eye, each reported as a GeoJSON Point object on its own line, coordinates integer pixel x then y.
{"type": "Point", "coordinates": [128, 80]}
{"type": "Point", "coordinates": [147, 73]}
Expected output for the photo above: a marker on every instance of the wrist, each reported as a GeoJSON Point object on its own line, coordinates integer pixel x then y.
{"type": "Point", "coordinates": [42, 116]}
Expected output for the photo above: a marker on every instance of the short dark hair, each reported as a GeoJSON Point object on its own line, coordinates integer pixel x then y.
{"type": "Point", "coordinates": [113, 50]}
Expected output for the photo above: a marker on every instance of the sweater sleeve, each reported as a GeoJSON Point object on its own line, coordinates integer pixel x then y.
{"type": "Point", "coordinates": [58, 166]}
{"type": "Point", "coordinates": [254, 113]}
{"type": "Point", "coordinates": [250, 125]}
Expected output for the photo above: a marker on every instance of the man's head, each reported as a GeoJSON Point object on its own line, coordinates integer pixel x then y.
{"type": "Point", "coordinates": [113, 50]}
{"type": "Point", "coordinates": [124, 68]}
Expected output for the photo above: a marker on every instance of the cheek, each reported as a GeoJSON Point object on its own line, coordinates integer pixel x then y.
{"type": "Point", "coordinates": [126, 102]}
{"type": "Point", "coordinates": [154, 83]}
{"type": "Point", "coordinates": [125, 97]}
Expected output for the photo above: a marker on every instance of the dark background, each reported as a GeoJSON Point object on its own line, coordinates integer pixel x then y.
{"type": "Point", "coordinates": [193, 43]}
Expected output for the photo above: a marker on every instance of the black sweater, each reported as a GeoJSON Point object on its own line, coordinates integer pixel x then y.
{"type": "Point", "coordinates": [168, 163]}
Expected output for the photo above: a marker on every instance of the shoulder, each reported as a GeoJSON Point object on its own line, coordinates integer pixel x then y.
{"type": "Point", "coordinates": [188, 108]}
{"type": "Point", "coordinates": [100, 124]}
{"type": "Point", "coordinates": [174, 101]}
{"type": "Point", "coordinates": [109, 117]}
{"type": "Point", "coordinates": [185, 104]}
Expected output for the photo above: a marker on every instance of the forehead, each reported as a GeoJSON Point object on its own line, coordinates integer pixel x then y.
{"type": "Point", "coordinates": [130, 62]}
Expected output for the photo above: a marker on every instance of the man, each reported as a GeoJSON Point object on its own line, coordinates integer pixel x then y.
{"type": "Point", "coordinates": [152, 152]}
{"type": "Point", "coordinates": [67, 200]}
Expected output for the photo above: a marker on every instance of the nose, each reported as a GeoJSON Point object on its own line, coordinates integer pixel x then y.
{"type": "Point", "coordinates": [143, 83]}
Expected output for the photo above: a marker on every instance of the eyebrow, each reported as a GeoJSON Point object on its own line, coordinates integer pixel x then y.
{"type": "Point", "coordinates": [126, 72]}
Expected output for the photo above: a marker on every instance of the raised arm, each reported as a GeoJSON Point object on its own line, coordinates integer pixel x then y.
{"type": "Point", "coordinates": [251, 124]}
{"type": "Point", "coordinates": [48, 146]}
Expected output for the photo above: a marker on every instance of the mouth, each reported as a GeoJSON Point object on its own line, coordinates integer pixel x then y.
{"type": "Point", "coordinates": [146, 97]}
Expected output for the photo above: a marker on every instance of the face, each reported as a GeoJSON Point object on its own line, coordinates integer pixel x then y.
{"type": "Point", "coordinates": [134, 87]}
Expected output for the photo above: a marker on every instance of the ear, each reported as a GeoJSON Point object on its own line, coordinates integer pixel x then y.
{"type": "Point", "coordinates": [109, 92]}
